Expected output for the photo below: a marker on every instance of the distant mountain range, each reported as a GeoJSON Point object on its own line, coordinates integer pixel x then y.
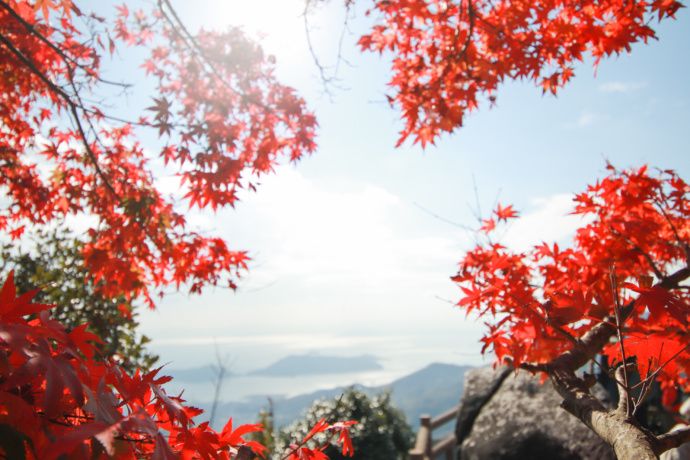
{"type": "Point", "coordinates": [290, 366]}
{"type": "Point", "coordinates": [431, 390]}
{"type": "Point", "coordinates": [315, 364]}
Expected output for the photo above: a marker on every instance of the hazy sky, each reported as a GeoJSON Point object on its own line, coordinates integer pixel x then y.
{"type": "Point", "coordinates": [347, 256]}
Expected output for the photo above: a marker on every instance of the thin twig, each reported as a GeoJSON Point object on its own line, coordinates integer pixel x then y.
{"type": "Point", "coordinates": [198, 53]}
{"type": "Point", "coordinates": [326, 80]}
{"type": "Point", "coordinates": [32, 30]}
{"type": "Point", "coordinates": [66, 97]}
{"type": "Point", "coordinates": [574, 340]}
{"type": "Point", "coordinates": [625, 399]}
{"type": "Point", "coordinates": [668, 219]}
{"type": "Point", "coordinates": [619, 331]}
{"type": "Point", "coordinates": [652, 375]}
{"type": "Point", "coordinates": [656, 270]}
{"type": "Point", "coordinates": [327, 420]}
{"type": "Point", "coordinates": [436, 216]}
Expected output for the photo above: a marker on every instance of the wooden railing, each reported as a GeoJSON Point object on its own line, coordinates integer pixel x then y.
{"type": "Point", "coordinates": [424, 449]}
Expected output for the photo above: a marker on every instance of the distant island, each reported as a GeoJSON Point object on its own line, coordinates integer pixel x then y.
{"type": "Point", "coordinates": [290, 366]}
{"type": "Point", "coordinates": [315, 364]}
{"type": "Point", "coordinates": [431, 390]}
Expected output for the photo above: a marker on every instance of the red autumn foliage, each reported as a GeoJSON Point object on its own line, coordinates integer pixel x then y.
{"type": "Point", "coordinates": [551, 309]}
{"type": "Point", "coordinates": [56, 401]}
{"type": "Point", "coordinates": [447, 55]}
{"type": "Point", "coordinates": [222, 118]}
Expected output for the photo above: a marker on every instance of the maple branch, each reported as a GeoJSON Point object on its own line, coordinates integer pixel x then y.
{"type": "Point", "coordinates": [578, 401]}
{"type": "Point", "coordinates": [547, 320]}
{"type": "Point", "coordinates": [470, 32]}
{"type": "Point", "coordinates": [28, 63]}
{"type": "Point", "coordinates": [643, 394]}
{"type": "Point", "coordinates": [66, 58]}
{"type": "Point", "coordinates": [533, 367]}
{"type": "Point", "coordinates": [625, 401]}
{"type": "Point", "coordinates": [622, 432]}
{"type": "Point", "coordinates": [502, 33]}
{"type": "Point", "coordinates": [670, 440]}
{"type": "Point", "coordinates": [322, 70]}
{"type": "Point", "coordinates": [32, 30]}
{"type": "Point", "coordinates": [574, 340]}
{"type": "Point", "coordinates": [73, 106]}
{"type": "Point", "coordinates": [651, 262]}
{"type": "Point", "coordinates": [95, 134]}
{"type": "Point", "coordinates": [198, 52]}
{"type": "Point", "coordinates": [619, 331]}
{"type": "Point", "coordinates": [672, 281]}
{"type": "Point", "coordinates": [436, 216]}
{"type": "Point", "coordinates": [651, 376]}
{"type": "Point", "coordinates": [89, 151]}
{"type": "Point", "coordinates": [596, 338]}
{"type": "Point", "coordinates": [668, 219]}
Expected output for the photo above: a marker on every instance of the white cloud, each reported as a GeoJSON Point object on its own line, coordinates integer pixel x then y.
{"type": "Point", "coordinates": [353, 251]}
{"type": "Point", "coordinates": [550, 221]}
{"type": "Point", "coordinates": [316, 234]}
{"type": "Point", "coordinates": [587, 118]}
{"type": "Point", "coordinates": [290, 341]}
{"type": "Point", "coordinates": [621, 87]}
{"type": "Point", "coordinates": [348, 257]}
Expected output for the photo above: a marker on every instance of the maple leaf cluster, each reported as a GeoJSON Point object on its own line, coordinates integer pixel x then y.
{"type": "Point", "coordinates": [449, 54]}
{"type": "Point", "coordinates": [56, 401]}
{"type": "Point", "coordinates": [544, 302]}
{"type": "Point", "coordinates": [222, 118]}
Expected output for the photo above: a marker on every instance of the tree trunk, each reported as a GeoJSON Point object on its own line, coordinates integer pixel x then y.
{"type": "Point", "coordinates": [629, 440]}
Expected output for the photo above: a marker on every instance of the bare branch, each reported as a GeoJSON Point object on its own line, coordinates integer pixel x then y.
{"type": "Point", "coordinates": [534, 368]}
{"type": "Point", "coordinates": [668, 219]}
{"type": "Point", "coordinates": [325, 79]}
{"type": "Point", "coordinates": [672, 281]}
{"type": "Point", "coordinates": [66, 58]}
{"type": "Point", "coordinates": [651, 376]}
{"type": "Point", "coordinates": [443, 219]}
{"type": "Point", "coordinates": [671, 439]}
{"type": "Point", "coordinates": [198, 53]}
{"type": "Point", "coordinates": [73, 106]}
{"type": "Point", "coordinates": [656, 270]}
{"type": "Point", "coordinates": [625, 402]}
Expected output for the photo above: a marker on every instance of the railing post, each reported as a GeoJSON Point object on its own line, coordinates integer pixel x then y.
{"type": "Point", "coordinates": [425, 429]}
{"type": "Point", "coordinates": [422, 447]}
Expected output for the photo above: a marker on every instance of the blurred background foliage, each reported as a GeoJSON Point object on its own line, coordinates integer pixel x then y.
{"type": "Point", "coordinates": [52, 261]}
{"type": "Point", "coordinates": [382, 431]}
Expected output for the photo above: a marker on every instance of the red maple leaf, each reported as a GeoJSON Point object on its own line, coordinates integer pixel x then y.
{"type": "Point", "coordinates": [652, 352]}
{"type": "Point", "coordinates": [234, 438]}
{"type": "Point", "coordinates": [506, 213]}
{"type": "Point", "coordinates": [661, 303]}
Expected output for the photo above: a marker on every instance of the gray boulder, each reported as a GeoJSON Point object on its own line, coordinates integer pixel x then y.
{"type": "Point", "coordinates": [503, 416]}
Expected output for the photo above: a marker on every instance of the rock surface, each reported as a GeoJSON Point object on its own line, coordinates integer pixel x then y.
{"type": "Point", "coordinates": [507, 417]}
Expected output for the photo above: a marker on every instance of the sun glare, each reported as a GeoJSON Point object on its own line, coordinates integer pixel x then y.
{"type": "Point", "coordinates": [278, 24]}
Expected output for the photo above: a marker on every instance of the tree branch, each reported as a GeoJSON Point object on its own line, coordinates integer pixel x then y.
{"type": "Point", "coordinates": [625, 401]}
{"type": "Point", "coordinates": [198, 53]}
{"type": "Point", "coordinates": [671, 440]}
{"type": "Point", "coordinates": [326, 80]}
{"type": "Point", "coordinates": [67, 98]}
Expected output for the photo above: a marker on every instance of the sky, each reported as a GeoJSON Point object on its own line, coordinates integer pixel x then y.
{"type": "Point", "coordinates": [353, 247]}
